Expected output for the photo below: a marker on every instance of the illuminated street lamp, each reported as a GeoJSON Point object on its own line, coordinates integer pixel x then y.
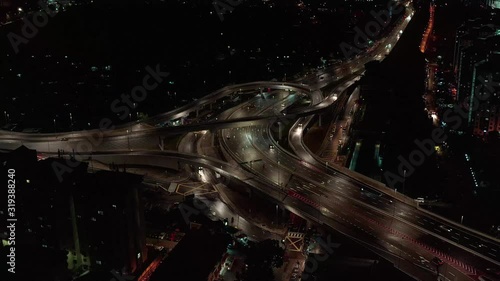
{"type": "Point", "coordinates": [128, 140]}
{"type": "Point", "coordinates": [279, 174]}
{"type": "Point", "coordinates": [276, 213]}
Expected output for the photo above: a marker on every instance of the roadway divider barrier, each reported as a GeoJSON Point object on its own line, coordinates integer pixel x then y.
{"type": "Point", "coordinates": [456, 224]}
{"type": "Point", "coordinates": [371, 183]}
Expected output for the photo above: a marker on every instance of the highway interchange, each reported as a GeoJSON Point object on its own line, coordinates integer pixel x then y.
{"type": "Point", "coordinates": [383, 220]}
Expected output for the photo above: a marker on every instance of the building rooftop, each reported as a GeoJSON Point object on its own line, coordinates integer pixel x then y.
{"type": "Point", "coordinates": [194, 258]}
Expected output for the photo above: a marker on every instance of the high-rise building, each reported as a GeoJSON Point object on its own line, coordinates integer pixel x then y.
{"type": "Point", "coordinates": [484, 100]}
{"type": "Point", "coordinates": [110, 219]}
{"type": "Point", "coordinates": [473, 43]}
{"type": "Point", "coordinates": [477, 47]}
{"type": "Point", "coordinates": [95, 218]}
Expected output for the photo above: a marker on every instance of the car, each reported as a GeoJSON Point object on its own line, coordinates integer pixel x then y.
{"type": "Point", "coordinates": [271, 146]}
{"type": "Point", "coordinates": [64, 139]}
{"type": "Point", "coordinates": [300, 124]}
{"type": "Point", "coordinates": [487, 278]}
{"type": "Point", "coordinates": [493, 270]}
{"type": "Point", "coordinates": [446, 228]}
{"type": "Point", "coordinates": [437, 261]}
{"type": "Point", "coordinates": [420, 200]}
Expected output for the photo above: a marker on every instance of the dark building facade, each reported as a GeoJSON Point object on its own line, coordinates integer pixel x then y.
{"type": "Point", "coordinates": [94, 219]}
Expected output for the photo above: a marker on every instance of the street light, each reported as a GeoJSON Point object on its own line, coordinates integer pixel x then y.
{"type": "Point", "coordinates": [404, 180]}
{"type": "Point", "coordinates": [128, 140]}
{"type": "Point", "coordinates": [55, 130]}
{"type": "Point", "coordinates": [276, 213]}
{"type": "Point", "coordinates": [279, 174]}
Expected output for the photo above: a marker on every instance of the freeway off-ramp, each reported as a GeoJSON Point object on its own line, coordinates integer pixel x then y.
{"type": "Point", "coordinates": [388, 223]}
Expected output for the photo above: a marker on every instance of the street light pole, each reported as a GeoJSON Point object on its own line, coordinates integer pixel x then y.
{"type": "Point", "coordinates": [55, 130]}
{"type": "Point", "coordinates": [128, 140]}
{"type": "Point", "coordinates": [277, 214]}
{"type": "Point", "coordinates": [319, 211]}
{"type": "Point", "coordinates": [404, 180]}
{"type": "Point", "coordinates": [279, 175]}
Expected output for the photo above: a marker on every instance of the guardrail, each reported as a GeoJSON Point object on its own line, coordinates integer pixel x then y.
{"type": "Point", "coordinates": [171, 114]}
{"type": "Point", "coordinates": [371, 183]}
